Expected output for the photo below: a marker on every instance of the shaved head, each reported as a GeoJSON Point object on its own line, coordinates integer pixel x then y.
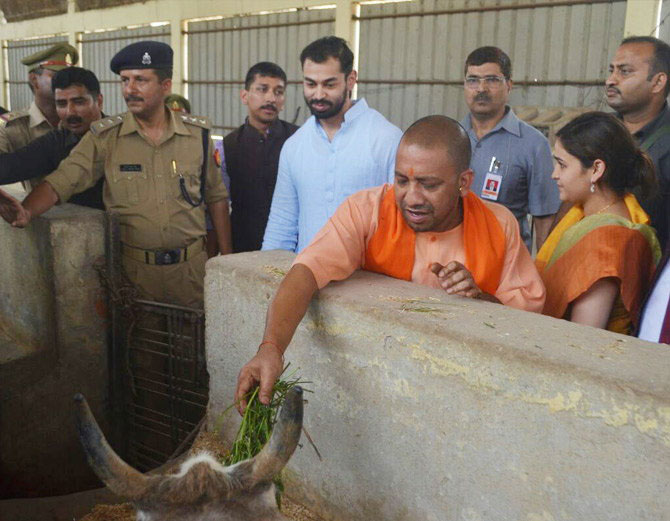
{"type": "Point", "coordinates": [443, 133]}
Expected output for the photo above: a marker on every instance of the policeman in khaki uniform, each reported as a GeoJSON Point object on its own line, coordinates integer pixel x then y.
{"type": "Point", "coordinates": [22, 126]}
{"type": "Point", "coordinates": [154, 162]}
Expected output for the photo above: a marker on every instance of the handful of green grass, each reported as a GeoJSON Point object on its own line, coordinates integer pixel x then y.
{"type": "Point", "coordinates": [258, 421]}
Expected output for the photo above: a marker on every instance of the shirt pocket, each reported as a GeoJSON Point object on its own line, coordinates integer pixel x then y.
{"type": "Point", "coordinates": [190, 173]}
{"type": "Point", "coordinates": [128, 183]}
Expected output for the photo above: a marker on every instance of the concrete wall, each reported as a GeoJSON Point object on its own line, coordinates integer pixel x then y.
{"type": "Point", "coordinates": [432, 407]}
{"type": "Point", "coordinates": [52, 345]}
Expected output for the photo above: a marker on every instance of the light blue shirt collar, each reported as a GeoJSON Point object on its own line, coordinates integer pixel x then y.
{"type": "Point", "coordinates": [359, 107]}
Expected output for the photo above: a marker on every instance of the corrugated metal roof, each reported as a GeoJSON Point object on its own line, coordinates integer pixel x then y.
{"type": "Point", "coordinates": [233, 45]}
{"type": "Point", "coordinates": [569, 42]}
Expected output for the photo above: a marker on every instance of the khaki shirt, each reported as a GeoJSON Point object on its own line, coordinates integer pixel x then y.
{"type": "Point", "coordinates": [140, 183]}
{"type": "Point", "coordinates": [22, 127]}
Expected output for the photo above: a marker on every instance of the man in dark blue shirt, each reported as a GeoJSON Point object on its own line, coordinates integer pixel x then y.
{"type": "Point", "coordinates": [637, 89]}
{"type": "Point", "coordinates": [78, 103]}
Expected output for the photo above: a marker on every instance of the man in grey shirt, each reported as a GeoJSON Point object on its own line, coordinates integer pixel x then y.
{"type": "Point", "coordinates": [512, 161]}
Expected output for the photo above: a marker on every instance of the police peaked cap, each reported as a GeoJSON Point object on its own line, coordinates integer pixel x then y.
{"type": "Point", "coordinates": [142, 55]}
{"type": "Point", "coordinates": [56, 58]}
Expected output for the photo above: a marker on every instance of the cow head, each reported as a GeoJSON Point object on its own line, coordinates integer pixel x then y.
{"type": "Point", "coordinates": [201, 489]}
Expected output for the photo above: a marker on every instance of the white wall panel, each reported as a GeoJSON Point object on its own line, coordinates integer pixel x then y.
{"type": "Point", "coordinates": [221, 51]}
{"type": "Point", "coordinates": [98, 49]}
{"type": "Point", "coordinates": [550, 43]}
{"type": "Point", "coordinates": [19, 91]}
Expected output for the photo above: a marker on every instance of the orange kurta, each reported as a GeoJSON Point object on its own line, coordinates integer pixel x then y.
{"type": "Point", "coordinates": [340, 248]}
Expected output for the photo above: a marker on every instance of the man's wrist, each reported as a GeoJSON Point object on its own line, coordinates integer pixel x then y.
{"type": "Point", "coordinates": [274, 347]}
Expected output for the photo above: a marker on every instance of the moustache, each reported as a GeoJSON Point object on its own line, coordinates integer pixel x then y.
{"type": "Point", "coordinates": [613, 89]}
{"type": "Point", "coordinates": [482, 96]}
{"type": "Point", "coordinates": [269, 107]}
{"type": "Point", "coordinates": [423, 208]}
{"type": "Point", "coordinates": [133, 98]}
{"type": "Point", "coordinates": [74, 120]}
{"type": "Point", "coordinates": [321, 101]}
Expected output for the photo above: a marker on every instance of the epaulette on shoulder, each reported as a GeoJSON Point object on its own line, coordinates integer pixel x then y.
{"type": "Point", "coordinates": [198, 121]}
{"type": "Point", "coordinates": [14, 115]}
{"type": "Point", "coordinates": [104, 124]}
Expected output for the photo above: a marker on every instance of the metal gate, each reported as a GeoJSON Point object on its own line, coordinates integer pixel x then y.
{"type": "Point", "coordinates": [158, 374]}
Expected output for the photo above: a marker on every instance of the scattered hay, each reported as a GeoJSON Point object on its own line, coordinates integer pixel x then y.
{"type": "Point", "coordinates": [420, 309]}
{"type": "Point", "coordinates": [274, 270]}
{"type": "Point", "coordinates": [122, 512]}
{"type": "Point", "coordinates": [126, 512]}
{"type": "Point", "coordinates": [212, 443]}
{"type": "Point", "coordinates": [297, 512]}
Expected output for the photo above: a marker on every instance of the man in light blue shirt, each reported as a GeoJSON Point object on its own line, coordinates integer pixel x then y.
{"type": "Point", "coordinates": [512, 160]}
{"type": "Point", "coordinates": [344, 147]}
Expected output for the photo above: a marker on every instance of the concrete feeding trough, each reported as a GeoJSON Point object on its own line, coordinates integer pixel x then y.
{"type": "Point", "coordinates": [440, 408]}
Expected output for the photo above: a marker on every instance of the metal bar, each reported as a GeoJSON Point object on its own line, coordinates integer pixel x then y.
{"type": "Point", "coordinates": [525, 83]}
{"type": "Point", "coordinates": [159, 353]}
{"type": "Point", "coordinates": [159, 306]}
{"type": "Point", "coordinates": [141, 451]}
{"type": "Point", "coordinates": [147, 428]}
{"type": "Point", "coordinates": [493, 8]}
{"type": "Point", "coordinates": [459, 83]}
{"type": "Point", "coordinates": [261, 26]}
{"type": "Point", "coordinates": [154, 391]}
{"type": "Point", "coordinates": [231, 82]}
{"type": "Point", "coordinates": [145, 421]}
{"type": "Point", "coordinates": [116, 336]}
{"type": "Point", "coordinates": [195, 394]}
{"type": "Point", "coordinates": [146, 448]}
{"type": "Point", "coordinates": [118, 38]}
{"type": "Point", "coordinates": [184, 339]}
{"type": "Point", "coordinates": [21, 46]}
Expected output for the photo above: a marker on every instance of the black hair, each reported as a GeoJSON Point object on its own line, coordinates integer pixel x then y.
{"type": "Point", "coordinates": [163, 74]}
{"type": "Point", "coordinates": [660, 61]}
{"type": "Point", "coordinates": [268, 69]}
{"type": "Point", "coordinates": [327, 47]}
{"type": "Point", "coordinates": [76, 76]}
{"type": "Point", "coordinates": [597, 135]}
{"type": "Point", "coordinates": [490, 54]}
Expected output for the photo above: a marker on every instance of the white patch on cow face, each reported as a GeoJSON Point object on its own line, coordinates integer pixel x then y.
{"type": "Point", "coordinates": [143, 516]}
{"type": "Point", "coordinates": [202, 457]}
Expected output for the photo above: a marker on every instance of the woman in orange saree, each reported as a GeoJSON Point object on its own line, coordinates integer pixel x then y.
{"type": "Point", "coordinates": [598, 261]}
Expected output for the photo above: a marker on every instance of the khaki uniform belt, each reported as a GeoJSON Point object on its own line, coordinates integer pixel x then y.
{"type": "Point", "coordinates": [163, 257]}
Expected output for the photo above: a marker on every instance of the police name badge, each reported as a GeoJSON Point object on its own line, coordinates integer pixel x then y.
{"type": "Point", "coordinates": [492, 181]}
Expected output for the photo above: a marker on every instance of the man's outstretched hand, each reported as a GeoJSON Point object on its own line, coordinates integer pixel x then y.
{"type": "Point", "coordinates": [263, 369]}
{"type": "Point", "coordinates": [13, 211]}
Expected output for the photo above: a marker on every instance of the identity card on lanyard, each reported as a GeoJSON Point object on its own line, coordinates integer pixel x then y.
{"type": "Point", "coordinates": [492, 181]}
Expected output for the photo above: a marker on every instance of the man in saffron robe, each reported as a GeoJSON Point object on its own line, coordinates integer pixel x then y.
{"type": "Point", "coordinates": [427, 227]}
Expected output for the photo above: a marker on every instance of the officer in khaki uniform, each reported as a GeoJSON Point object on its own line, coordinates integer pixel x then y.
{"type": "Point", "coordinates": [153, 161]}
{"type": "Point", "coordinates": [22, 126]}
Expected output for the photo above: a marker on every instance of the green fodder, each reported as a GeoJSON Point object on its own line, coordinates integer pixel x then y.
{"type": "Point", "coordinates": [258, 421]}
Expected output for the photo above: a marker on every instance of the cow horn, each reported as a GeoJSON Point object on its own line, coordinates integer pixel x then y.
{"type": "Point", "coordinates": [285, 436]}
{"type": "Point", "coordinates": [121, 478]}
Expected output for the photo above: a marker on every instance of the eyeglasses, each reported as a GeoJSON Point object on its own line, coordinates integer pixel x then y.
{"type": "Point", "coordinates": [492, 82]}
